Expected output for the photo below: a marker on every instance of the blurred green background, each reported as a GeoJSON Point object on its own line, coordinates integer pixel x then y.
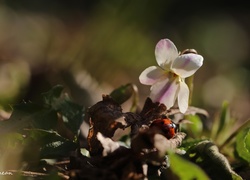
{"type": "Point", "coordinates": [92, 47]}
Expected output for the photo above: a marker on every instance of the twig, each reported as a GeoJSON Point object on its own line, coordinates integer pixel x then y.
{"type": "Point", "coordinates": [35, 174]}
{"type": "Point", "coordinates": [28, 173]}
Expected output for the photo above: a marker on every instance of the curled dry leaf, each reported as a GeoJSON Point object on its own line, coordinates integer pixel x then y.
{"type": "Point", "coordinates": [152, 110]}
{"type": "Point", "coordinates": [105, 117]}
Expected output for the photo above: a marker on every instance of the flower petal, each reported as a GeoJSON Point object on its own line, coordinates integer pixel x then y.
{"type": "Point", "coordinates": [187, 64]}
{"type": "Point", "coordinates": [165, 91]}
{"type": "Point", "coordinates": [165, 53]}
{"type": "Point", "coordinates": [183, 97]}
{"type": "Point", "coordinates": [151, 75]}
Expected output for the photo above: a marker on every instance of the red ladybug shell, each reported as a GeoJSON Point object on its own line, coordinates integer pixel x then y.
{"type": "Point", "coordinates": [168, 127]}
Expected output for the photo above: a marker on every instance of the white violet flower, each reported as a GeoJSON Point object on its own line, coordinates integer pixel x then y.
{"type": "Point", "coordinates": [168, 79]}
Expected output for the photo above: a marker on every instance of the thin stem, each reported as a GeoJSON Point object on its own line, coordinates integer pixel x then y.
{"type": "Point", "coordinates": [135, 99]}
{"type": "Point", "coordinates": [190, 84]}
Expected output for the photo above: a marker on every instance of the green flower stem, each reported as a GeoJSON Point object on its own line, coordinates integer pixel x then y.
{"type": "Point", "coordinates": [190, 84]}
{"type": "Point", "coordinates": [135, 99]}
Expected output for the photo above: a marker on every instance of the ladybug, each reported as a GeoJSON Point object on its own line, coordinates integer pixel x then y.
{"type": "Point", "coordinates": [166, 125]}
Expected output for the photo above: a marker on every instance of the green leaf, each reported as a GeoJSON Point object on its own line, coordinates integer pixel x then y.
{"type": "Point", "coordinates": [220, 123]}
{"type": "Point", "coordinates": [243, 144]}
{"type": "Point", "coordinates": [189, 143]}
{"type": "Point", "coordinates": [184, 169]}
{"type": "Point", "coordinates": [72, 113]}
{"type": "Point", "coordinates": [50, 98]}
{"type": "Point", "coordinates": [123, 93]}
{"type": "Point", "coordinates": [29, 115]}
{"type": "Point", "coordinates": [43, 136]}
{"type": "Point", "coordinates": [196, 127]}
{"type": "Point", "coordinates": [52, 145]}
{"type": "Point", "coordinates": [11, 140]}
{"type": "Point", "coordinates": [234, 134]}
{"type": "Point", "coordinates": [58, 149]}
{"type": "Point", "coordinates": [224, 117]}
